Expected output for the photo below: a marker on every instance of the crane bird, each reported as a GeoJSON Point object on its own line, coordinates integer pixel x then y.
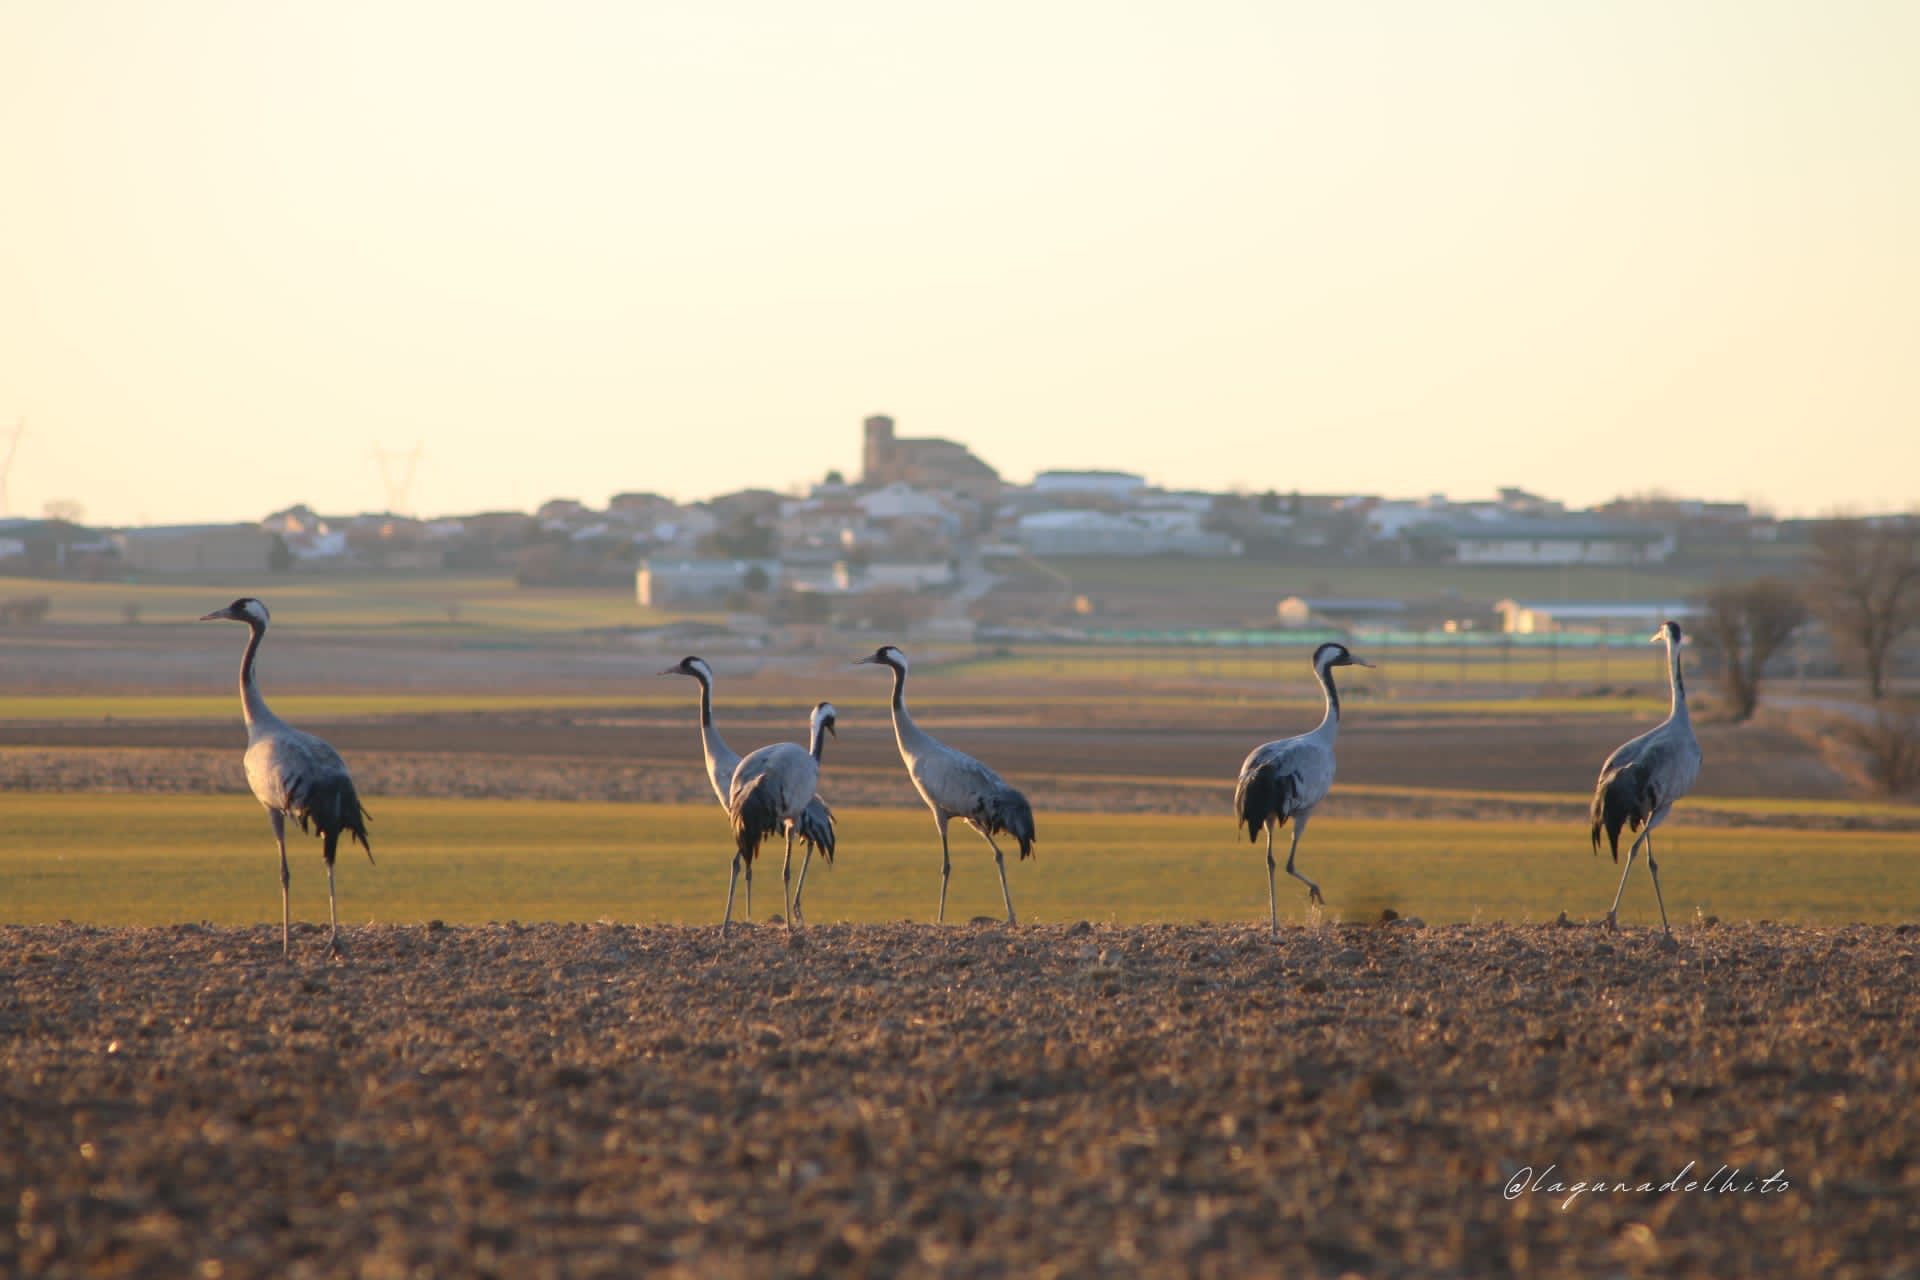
{"type": "Point", "coordinates": [955, 785]}
{"type": "Point", "coordinates": [1642, 778]}
{"type": "Point", "coordinates": [815, 824]}
{"type": "Point", "coordinates": [770, 791]}
{"type": "Point", "coordinates": [293, 774]}
{"type": "Point", "coordinates": [1284, 781]}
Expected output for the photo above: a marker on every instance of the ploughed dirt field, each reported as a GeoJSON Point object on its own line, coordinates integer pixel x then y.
{"type": "Point", "coordinates": [578, 1100]}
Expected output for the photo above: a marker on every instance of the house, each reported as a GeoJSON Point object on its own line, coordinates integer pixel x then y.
{"type": "Point", "coordinates": [1616, 617]}
{"type": "Point", "coordinates": [1297, 613]}
{"type": "Point", "coordinates": [661, 584]}
{"type": "Point", "coordinates": [1099, 533]}
{"type": "Point", "coordinates": [196, 548]}
{"type": "Point", "coordinates": [892, 575]}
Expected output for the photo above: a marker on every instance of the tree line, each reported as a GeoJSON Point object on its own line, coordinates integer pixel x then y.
{"type": "Point", "coordinates": [1862, 583]}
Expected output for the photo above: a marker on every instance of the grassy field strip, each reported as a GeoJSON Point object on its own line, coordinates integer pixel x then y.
{"type": "Point", "coordinates": [120, 859]}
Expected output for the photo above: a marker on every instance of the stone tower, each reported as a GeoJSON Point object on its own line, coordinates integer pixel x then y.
{"type": "Point", "coordinates": [879, 450]}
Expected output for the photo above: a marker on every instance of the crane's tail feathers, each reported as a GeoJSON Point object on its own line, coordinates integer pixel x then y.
{"type": "Point", "coordinates": [1263, 796]}
{"type": "Point", "coordinates": [815, 828]}
{"type": "Point", "coordinates": [756, 816]}
{"type": "Point", "coordinates": [332, 809]}
{"type": "Point", "coordinates": [1005, 812]}
{"type": "Point", "coordinates": [1015, 817]}
{"type": "Point", "coordinates": [1620, 802]}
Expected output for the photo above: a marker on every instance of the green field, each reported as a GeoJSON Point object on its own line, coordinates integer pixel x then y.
{"type": "Point", "coordinates": [1097, 574]}
{"type": "Point", "coordinates": [121, 859]}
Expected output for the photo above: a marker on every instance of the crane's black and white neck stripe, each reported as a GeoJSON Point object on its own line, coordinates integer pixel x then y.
{"type": "Point", "coordinates": [1328, 656]}
{"type": "Point", "coordinates": [253, 704]}
{"type": "Point", "coordinates": [820, 723]}
{"type": "Point", "coordinates": [1670, 632]}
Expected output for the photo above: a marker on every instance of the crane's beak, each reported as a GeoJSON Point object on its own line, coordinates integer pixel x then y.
{"type": "Point", "coordinates": [1362, 662]}
{"type": "Point", "coordinates": [830, 729]}
{"type": "Point", "coordinates": [1657, 636]}
{"type": "Point", "coordinates": [867, 661]}
{"type": "Point", "coordinates": [218, 615]}
{"type": "Point", "coordinates": [670, 671]}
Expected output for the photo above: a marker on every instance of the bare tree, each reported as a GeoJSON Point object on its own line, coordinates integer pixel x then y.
{"type": "Point", "coordinates": [1742, 625]}
{"type": "Point", "coordinates": [1866, 589]}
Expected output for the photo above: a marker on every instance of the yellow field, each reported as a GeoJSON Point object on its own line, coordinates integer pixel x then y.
{"type": "Point", "coordinates": [124, 859]}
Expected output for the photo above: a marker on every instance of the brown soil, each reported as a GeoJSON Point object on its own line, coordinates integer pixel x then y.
{"type": "Point", "coordinates": [581, 1100]}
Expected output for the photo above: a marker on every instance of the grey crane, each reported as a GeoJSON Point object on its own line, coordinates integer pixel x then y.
{"type": "Point", "coordinates": [1642, 778]}
{"type": "Point", "coordinates": [1284, 781]}
{"type": "Point", "coordinates": [770, 791]}
{"type": "Point", "coordinates": [955, 785]}
{"type": "Point", "coordinates": [815, 824]}
{"type": "Point", "coordinates": [294, 775]}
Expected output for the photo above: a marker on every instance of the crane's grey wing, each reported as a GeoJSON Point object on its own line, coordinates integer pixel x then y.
{"type": "Point", "coordinates": [959, 785]}
{"type": "Point", "coordinates": [305, 778]}
{"type": "Point", "coordinates": [1638, 780]}
{"type": "Point", "coordinates": [771, 785]}
{"type": "Point", "coordinates": [1279, 780]}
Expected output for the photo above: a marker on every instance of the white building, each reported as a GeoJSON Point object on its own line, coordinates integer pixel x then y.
{"type": "Point", "coordinates": [660, 584]}
{"type": "Point", "coordinates": [1118, 486]}
{"type": "Point", "coordinates": [892, 575]}
{"type": "Point", "coordinates": [1615, 617]}
{"type": "Point", "coordinates": [1097, 533]}
{"type": "Point", "coordinates": [1555, 542]}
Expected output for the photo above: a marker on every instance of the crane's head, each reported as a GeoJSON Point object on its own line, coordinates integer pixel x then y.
{"type": "Point", "coordinates": [1334, 654]}
{"type": "Point", "coordinates": [823, 717]}
{"type": "Point", "coordinates": [885, 656]}
{"type": "Point", "coordinates": [1669, 631]}
{"type": "Point", "coordinates": [246, 609]}
{"type": "Point", "coordinates": [691, 666]}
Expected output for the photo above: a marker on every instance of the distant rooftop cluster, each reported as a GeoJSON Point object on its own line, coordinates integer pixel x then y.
{"type": "Point", "coordinates": [927, 530]}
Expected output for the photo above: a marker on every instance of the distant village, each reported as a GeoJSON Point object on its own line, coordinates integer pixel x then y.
{"type": "Point", "coordinates": [924, 533]}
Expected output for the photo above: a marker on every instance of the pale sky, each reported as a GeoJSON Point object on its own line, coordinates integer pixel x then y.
{"type": "Point", "coordinates": [574, 248]}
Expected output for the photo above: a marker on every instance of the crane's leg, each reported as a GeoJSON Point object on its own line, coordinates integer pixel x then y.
{"type": "Point", "coordinates": [1000, 861]}
{"type": "Point", "coordinates": [946, 868]}
{"type": "Point", "coordinates": [1654, 867]}
{"type": "Point", "coordinates": [1273, 909]}
{"type": "Point", "coordinates": [786, 878]}
{"type": "Point", "coordinates": [726, 921]}
{"type": "Point", "coordinates": [286, 880]}
{"type": "Point", "coordinates": [736, 863]}
{"type": "Point", "coordinates": [329, 847]}
{"type": "Point", "coordinates": [1313, 890]}
{"type": "Point", "coordinates": [1613, 913]}
{"type": "Point", "coordinates": [800, 885]}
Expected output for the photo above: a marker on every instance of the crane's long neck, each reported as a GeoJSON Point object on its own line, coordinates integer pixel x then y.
{"type": "Point", "coordinates": [1330, 722]}
{"type": "Point", "coordinates": [252, 704]}
{"type": "Point", "coordinates": [1677, 684]}
{"type": "Point", "coordinates": [720, 758]}
{"type": "Point", "coordinates": [817, 740]}
{"type": "Point", "coordinates": [905, 732]}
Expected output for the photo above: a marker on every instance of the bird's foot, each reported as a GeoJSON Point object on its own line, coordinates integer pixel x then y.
{"type": "Point", "coordinates": [336, 948]}
{"type": "Point", "coordinates": [1313, 896]}
{"type": "Point", "coordinates": [1613, 922]}
{"type": "Point", "coordinates": [1667, 942]}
